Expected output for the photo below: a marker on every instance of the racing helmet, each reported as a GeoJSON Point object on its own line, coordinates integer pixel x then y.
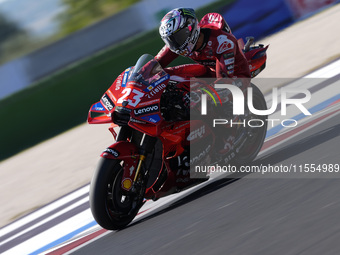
{"type": "Point", "coordinates": [179, 30]}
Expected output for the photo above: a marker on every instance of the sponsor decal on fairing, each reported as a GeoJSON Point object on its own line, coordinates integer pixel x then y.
{"type": "Point", "coordinates": [113, 152]}
{"type": "Point", "coordinates": [98, 107]}
{"type": "Point", "coordinates": [152, 118]}
{"type": "Point", "coordinates": [126, 76]}
{"type": "Point", "coordinates": [107, 102]}
{"type": "Point", "coordinates": [146, 110]}
{"type": "Point", "coordinates": [156, 83]}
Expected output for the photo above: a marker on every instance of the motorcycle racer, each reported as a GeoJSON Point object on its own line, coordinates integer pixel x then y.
{"type": "Point", "coordinates": [210, 43]}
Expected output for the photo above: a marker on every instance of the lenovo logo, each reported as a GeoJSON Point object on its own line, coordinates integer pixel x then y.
{"type": "Point", "coordinates": [107, 102]}
{"type": "Point", "coordinates": [146, 110]}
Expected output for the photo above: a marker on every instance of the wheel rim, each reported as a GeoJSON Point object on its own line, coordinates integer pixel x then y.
{"type": "Point", "coordinates": [118, 203]}
{"type": "Point", "coordinates": [255, 135]}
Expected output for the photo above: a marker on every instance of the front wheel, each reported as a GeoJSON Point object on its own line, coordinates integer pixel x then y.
{"type": "Point", "coordinates": [256, 131]}
{"type": "Point", "coordinates": [111, 206]}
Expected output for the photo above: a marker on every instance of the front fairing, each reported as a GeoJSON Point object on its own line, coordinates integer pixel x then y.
{"type": "Point", "coordinates": [134, 98]}
{"type": "Point", "coordinates": [100, 112]}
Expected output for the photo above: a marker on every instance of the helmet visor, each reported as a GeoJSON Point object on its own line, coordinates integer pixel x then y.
{"type": "Point", "coordinates": [179, 40]}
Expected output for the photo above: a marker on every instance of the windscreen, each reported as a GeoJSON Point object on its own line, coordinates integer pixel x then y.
{"type": "Point", "coordinates": [147, 70]}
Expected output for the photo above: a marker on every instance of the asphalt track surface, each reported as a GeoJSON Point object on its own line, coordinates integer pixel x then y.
{"type": "Point", "coordinates": [249, 215]}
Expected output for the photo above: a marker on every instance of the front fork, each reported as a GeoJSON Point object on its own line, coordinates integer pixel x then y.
{"type": "Point", "coordinates": [145, 145]}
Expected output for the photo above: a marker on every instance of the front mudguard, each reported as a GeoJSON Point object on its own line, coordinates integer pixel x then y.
{"type": "Point", "coordinates": [121, 150]}
{"type": "Point", "coordinates": [127, 152]}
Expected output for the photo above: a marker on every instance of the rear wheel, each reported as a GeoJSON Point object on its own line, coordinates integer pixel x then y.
{"type": "Point", "coordinates": [255, 132]}
{"type": "Point", "coordinates": [112, 207]}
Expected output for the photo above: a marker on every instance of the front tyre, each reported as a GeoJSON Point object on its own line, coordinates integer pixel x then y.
{"type": "Point", "coordinates": [111, 206]}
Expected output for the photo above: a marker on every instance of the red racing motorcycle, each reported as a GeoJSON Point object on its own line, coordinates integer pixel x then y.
{"type": "Point", "coordinates": [151, 156]}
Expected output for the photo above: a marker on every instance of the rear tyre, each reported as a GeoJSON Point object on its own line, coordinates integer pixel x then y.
{"type": "Point", "coordinates": [111, 206]}
{"type": "Point", "coordinates": [246, 153]}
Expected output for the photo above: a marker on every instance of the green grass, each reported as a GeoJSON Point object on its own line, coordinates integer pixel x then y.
{"type": "Point", "coordinates": [62, 100]}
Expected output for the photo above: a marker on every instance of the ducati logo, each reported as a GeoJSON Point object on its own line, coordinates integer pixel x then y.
{"type": "Point", "coordinates": [212, 18]}
{"type": "Point", "coordinates": [224, 44]}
